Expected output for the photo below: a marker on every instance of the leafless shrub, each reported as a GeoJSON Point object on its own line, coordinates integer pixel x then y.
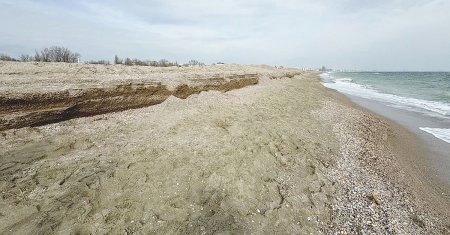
{"type": "Point", "coordinates": [52, 54]}
{"type": "Point", "coordinates": [193, 63]}
{"type": "Point", "coordinates": [140, 62]}
{"type": "Point", "coordinates": [166, 63]}
{"type": "Point", "coordinates": [117, 60]}
{"type": "Point", "coordinates": [129, 62]}
{"type": "Point", "coordinates": [6, 57]}
{"type": "Point", "coordinates": [26, 58]}
{"type": "Point", "coordinates": [104, 62]}
{"type": "Point", "coordinates": [56, 54]}
{"type": "Point", "coordinates": [152, 63]}
{"type": "Point", "coordinates": [37, 56]}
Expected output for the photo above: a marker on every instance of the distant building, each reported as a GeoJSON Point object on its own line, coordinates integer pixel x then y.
{"type": "Point", "coordinates": [325, 69]}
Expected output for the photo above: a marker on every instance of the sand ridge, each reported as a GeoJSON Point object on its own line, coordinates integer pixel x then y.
{"type": "Point", "coordinates": [34, 94]}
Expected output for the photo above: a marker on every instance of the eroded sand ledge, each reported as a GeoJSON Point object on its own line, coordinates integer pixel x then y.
{"type": "Point", "coordinates": [284, 156]}
{"type": "Point", "coordinates": [34, 94]}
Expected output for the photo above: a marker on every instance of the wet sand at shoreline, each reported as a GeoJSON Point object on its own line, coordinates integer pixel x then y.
{"type": "Point", "coordinates": [414, 159]}
{"type": "Point", "coordinates": [284, 156]}
{"type": "Point", "coordinates": [436, 159]}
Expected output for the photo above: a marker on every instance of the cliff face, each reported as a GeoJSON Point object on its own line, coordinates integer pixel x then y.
{"type": "Point", "coordinates": [33, 94]}
{"type": "Point", "coordinates": [33, 109]}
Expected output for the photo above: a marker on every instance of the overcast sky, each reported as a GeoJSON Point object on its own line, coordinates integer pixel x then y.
{"type": "Point", "coordinates": [354, 34]}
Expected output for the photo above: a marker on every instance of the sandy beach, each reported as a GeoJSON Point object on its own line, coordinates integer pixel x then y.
{"type": "Point", "coordinates": [275, 152]}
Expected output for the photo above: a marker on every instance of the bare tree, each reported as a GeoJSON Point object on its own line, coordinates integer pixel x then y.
{"type": "Point", "coordinates": [56, 54]}
{"type": "Point", "coordinates": [6, 57]}
{"type": "Point", "coordinates": [26, 58]}
{"type": "Point", "coordinates": [163, 63]}
{"type": "Point", "coordinates": [117, 60]}
{"type": "Point", "coordinates": [105, 62]}
{"type": "Point", "coordinates": [194, 62]}
{"type": "Point", "coordinates": [37, 56]}
{"type": "Point", "coordinates": [52, 54]}
{"type": "Point", "coordinates": [128, 61]}
{"type": "Point", "coordinates": [74, 57]}
{"type": "Point", "coordinates": [45, 55]}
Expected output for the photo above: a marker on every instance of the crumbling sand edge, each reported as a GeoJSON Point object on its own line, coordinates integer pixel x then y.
{"type": "Point", "coordinates": [37, 93]}
{"type": "Point", "coordinates": [35, 109]}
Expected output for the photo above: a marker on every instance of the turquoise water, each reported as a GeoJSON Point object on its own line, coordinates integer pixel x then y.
{"type": "Point", "coordinates": [432, 86]}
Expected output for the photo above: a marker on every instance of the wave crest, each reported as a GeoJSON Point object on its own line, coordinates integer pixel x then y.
{"type": "Point", "coordinates": [441, 133]}
{"type": "Point", "coordinates": [347, 86]}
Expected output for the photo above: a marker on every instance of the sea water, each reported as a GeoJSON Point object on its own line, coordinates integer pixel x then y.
{"type": "Point", "coordinates": [427, 93]}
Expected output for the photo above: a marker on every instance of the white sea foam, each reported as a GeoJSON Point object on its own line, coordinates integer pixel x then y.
{"type": "Point", "coordinates": [344, 80]}
{"type": "Point", "coordinates": [432, 108]}
{"type": "Point", "coordinates": [441, 133]}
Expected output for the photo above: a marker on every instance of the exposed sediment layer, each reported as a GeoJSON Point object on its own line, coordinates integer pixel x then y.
{"type": "Point", "coordinates": [33, 109]}
{"type": "Point", "coordinates": [33, 94]}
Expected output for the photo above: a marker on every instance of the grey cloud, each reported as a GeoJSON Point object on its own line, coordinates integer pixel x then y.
{"type": "Point", "coordinates": [384, 35]}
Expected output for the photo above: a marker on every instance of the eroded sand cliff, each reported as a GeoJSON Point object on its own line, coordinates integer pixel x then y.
{"type": "Point", "coordinates": [34, 94]}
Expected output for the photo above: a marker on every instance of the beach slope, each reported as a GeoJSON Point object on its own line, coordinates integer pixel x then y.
{"type": "Point", "coordinates": [282, 156]}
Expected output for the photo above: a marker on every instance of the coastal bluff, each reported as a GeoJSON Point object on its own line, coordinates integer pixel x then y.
{"type": "Point", "coordinates": [34, 94]}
